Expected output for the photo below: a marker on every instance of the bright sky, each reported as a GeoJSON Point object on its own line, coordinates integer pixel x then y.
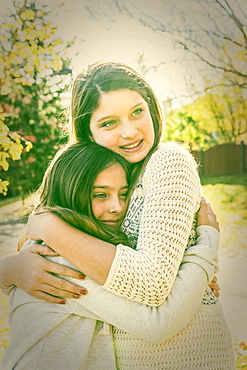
{"type": "Point", "coordinates": [124, 40]}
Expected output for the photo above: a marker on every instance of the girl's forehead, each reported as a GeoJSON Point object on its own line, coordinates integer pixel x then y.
{"type": "Point", "coordinates": [116, 102]}
{"type": "Point", "coordinates": [114, 174]}
{"type": "Point", "coordinates": [125, 96]}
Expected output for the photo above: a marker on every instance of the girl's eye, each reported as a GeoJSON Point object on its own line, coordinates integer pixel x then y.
{"type": "Point", "coordinates": [137, 112]}
{"type": "Point", "coordinates": [124, 195]}
{"type": "Point", "coordinates": [99, 195]}
{"type": "Point", "coordinates": [108, 123]}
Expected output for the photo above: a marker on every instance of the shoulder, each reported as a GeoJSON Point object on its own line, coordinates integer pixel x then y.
{"type": "Point", "coordinates": [171, 153]}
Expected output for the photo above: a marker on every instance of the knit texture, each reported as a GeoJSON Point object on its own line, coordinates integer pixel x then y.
{"type": "Point", "coordinates": [159, 222]}
{"type": "Point", "coordinates": [205, 343]}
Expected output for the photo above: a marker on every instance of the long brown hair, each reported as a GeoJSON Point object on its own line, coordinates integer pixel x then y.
{"type": "Point", "coordinates": [67, 187]}
{"type": "Point", "coordinates": [104, 77]}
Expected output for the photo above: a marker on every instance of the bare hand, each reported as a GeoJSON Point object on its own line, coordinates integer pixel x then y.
{"type": "Point", "coordinates": [33, 273]}
{"type": "Point", "coordinates": [215, 287]}
{"type": "Point", "coordinates": [206, 215]}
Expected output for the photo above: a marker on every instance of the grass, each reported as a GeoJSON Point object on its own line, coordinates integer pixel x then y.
{"type": "Point", "coordinates": [229, 201]}
{"type": "Point", "coordinates": [227, 180]}
{"type": "Point", "coordinates": [228, 197]}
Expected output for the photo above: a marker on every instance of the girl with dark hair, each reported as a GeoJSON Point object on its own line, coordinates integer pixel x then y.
{"type": "Point", "coordinates": [114, 106]}
{"type": "Point", "coordinates": [69, 189]}
{"type": "Point", "coordinates": [85, 185]}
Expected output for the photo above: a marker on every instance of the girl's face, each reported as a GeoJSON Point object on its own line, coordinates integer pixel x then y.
{"type": "Point", "coordinates": [109, 195]}
{"type": "Point", "coordinates": [123, 123]}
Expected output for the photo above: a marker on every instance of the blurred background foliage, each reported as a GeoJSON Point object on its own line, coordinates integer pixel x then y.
{"type": "Point", "coordinates": [32, 65]}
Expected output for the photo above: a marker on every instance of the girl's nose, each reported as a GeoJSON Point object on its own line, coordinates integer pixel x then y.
{"type": "Point", "coordinates": [129, 131]}
{"type": "Point", "coordinates": [115, 206]}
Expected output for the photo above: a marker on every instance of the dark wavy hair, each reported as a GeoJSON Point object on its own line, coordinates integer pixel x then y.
{"type": "Point", "coordinates": [67, 187]}
{"type": "Point", "coordinates": [103, 77]}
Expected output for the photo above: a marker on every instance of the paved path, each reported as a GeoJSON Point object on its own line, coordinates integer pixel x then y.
{"type": "Point", "coordinates": [232, 277]}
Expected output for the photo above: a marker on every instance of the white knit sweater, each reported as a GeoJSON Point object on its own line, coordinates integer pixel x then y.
{"type": "Point", "coordinates": [159, 222]}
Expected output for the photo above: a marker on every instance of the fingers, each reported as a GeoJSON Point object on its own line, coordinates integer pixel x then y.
{"type": "Point", "coordinates": [56, 268]}
{"type": "Point", "coordinates": [205, 205]}
{"type": "Point", "coordinates": [216, 293]}
{"type": "Point", "coordinates": [214, 280]}
{"type": "Point", "coordinates": [59, 287]}
{"type": "Point", "coordinates": [52, 299]}
{"type": "Point", "coordinates": [56, 290]}
{"type": "Point", "coordinates": [49, 298]}
{"type": "Point", "coordinates": [213, 284]}
{"type": "Point", "coordinates": [55, 295]}
{"type": "Point", "coordinates": [206, 215]}
{"type": "Point", "coordinates": [215, 287]}
{"type": "Point", "coordinates": [43, 279]}
{"type": "Point", "coordinates": [43, 250]}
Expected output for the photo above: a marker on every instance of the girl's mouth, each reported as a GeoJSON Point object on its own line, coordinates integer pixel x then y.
{"type": "Point", "coordinates": [111, 222]}
{"type": "Point", "coordinates": [132, 146]}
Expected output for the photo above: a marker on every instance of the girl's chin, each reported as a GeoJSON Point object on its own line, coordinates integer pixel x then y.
{"type": "Point", "coordinates": [134, 157]}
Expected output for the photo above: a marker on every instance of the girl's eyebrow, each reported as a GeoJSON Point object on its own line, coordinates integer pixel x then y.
{"type": "Point", "coordinates": [104, 118]}
{"type": "Point", "coordinates": [110, 116]}
{"type": "Point", "coordinates": [105, 187]}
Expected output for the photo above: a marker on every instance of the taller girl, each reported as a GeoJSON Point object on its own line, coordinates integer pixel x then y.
{"type": "Point", "coordinates": [115, 107]}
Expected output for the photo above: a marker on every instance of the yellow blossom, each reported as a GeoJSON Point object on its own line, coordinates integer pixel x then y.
{"type": "Point", "coordinates": [15, 151]}
{"type": "Point", "coordinates": [5, 90]}
{"type": "Point", "coordinates": [29, 14]}
{"type": "Point", "coordinates": [3, 186]}
{"type": "Point", "coordinates": [29, 145]}
{"type": "Point", "coordinates": [16, 74]}
{"type": "Point", "coordinates": [18, 80]}
{"type": "Point", "coordinates": [3, 128]}
{"type": "Point", "coordinates": [5, 142]}
{"type": "Point", "coordinates": [56, 42]}
{"type": "Point", "coordinates": [3, 161]}
{"type": "Point", "coordinates": [15, 136]}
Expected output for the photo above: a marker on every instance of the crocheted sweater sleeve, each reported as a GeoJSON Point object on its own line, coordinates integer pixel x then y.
{"type": "Point", "coordinates": [156, 324]}
{"type": "Point", "coordinates": [171, 189]}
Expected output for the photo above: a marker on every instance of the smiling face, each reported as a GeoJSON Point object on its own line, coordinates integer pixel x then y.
{"type": "Point", "coordinates": [109, 195]}
{"type": "Point", "coordinates": [122, 123]}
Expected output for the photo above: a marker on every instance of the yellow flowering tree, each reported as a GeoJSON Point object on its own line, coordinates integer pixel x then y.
{"type": "Point", "coordinates": [11, 147]}
{"type": "Point", "coordinates": [32, 56]}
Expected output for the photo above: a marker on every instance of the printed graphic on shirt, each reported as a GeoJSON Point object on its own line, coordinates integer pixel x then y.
{"type": "Point", "coordinates": [131, 223]}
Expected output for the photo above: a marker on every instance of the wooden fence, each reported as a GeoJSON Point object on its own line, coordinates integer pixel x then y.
{"type": "Point", "coordinates": [225, 159]}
